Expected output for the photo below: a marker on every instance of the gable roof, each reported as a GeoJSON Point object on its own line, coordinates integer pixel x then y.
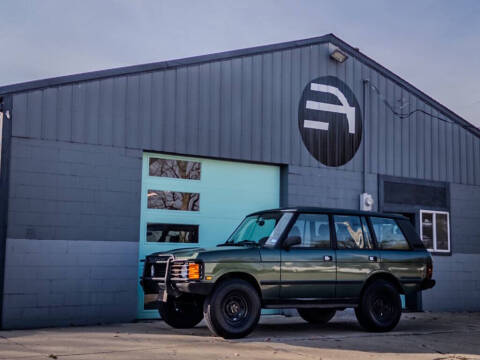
{"type": "Point", "coordinates": [169, 64]}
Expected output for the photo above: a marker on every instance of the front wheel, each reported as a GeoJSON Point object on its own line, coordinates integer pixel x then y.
{"type": "Point", "coordinates": [181, 313]}
{"type": "Point", "coordinates": [380, 307]}
{"type": "Point", "coordinates": [316, 316]}
{"type": "Point", "coordinates": [233, 309]}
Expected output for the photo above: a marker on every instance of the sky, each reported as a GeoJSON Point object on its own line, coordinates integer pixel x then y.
{"type": "Point", "coordinates": [433, 44]}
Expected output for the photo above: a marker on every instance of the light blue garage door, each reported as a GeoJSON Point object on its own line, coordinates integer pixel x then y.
{"type": "Point", "coordinates": [197, 202]}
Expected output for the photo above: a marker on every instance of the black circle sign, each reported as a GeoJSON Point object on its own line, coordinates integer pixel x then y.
{"type": "Point", "coordinates": [330, 121]}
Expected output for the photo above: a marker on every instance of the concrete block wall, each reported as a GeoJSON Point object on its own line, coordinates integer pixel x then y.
{"type": "Point", "coordinates": [72, 243]}
{"type": "Point", "coordinates": [61, 190]}
{"type": "Point", "coordinates": [69, 282]}
{"type": "Point", "coordinates": [326, 187]}
{"type": "Point", "coordinates": [458, 274]}
{"type": "Point", "coordinates": [458, 284]}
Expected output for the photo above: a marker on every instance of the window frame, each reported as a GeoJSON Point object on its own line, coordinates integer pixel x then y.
{"type": "Point", "coordinates": [175, 158]}
{"type": "Point", "coordinates": [294, 219]}
{"type": "Point", "coordinates": [173, 209]}
{"type": "Point", "coordinates": [374, 234]}
{"type": "Point", "coordinates": [172, 224]}
{"type": "Point", "coordinates": [434, 231]}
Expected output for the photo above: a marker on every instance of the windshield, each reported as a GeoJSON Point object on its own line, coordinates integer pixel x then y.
{"type": "Point", "coordinates": [260, 230]}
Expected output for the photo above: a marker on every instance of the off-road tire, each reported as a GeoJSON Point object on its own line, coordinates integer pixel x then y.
{"type": "Point", "coordinates": [380, 307]}
{"type": "Point", "coordinates": [181, 313]}
{"type": "Point", "coordinates": [315, 315]}
{"type": "Point", "coordinates": [232, 310]}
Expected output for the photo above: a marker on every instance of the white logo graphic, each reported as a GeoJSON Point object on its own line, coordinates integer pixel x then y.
{"type": "Point", "coordinates": [345, 108]}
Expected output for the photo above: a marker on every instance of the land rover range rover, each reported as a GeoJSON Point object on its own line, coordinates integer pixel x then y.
{"type": "Point", "coordinates": [317, 261]}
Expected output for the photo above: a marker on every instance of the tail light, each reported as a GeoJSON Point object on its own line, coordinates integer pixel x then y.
{"type": "Point", "coordinates": [429, 268]}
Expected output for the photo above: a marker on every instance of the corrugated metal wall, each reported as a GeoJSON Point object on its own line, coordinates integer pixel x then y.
{"type": "Point", "coordinates": [246, 108]}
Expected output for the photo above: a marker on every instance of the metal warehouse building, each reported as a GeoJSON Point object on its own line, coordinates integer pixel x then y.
{"type": "Point", "coordinates": [100, 169]}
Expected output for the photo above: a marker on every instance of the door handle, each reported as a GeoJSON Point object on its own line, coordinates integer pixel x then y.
{"type": "Point", "coordinates": [372, 258]}
{"type": "Point", "coordinates": [327, 258]}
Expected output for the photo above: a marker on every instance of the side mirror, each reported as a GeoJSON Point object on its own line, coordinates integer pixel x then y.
{"type": "Point", "coordinates": [292, 241]}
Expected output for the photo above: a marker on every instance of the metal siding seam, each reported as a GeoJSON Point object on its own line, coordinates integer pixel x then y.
{"type": "Point", "coordinates": [373, 106]}
{"type": "Point", "coordinates": [286, 105]}
{"type": "Point", "coordinates": [146, 142]}
{"type": "Point", "coordinates": [246, 105]}
{"type": "Point", "coordinates": [382, 130]}
{"type": "Point", "coordinates": [236, 134]}
{"type": "Point", "coordinates": [276, 126]}
{"type": "Point", "coordinates": [390, 132]}
{"type": "Point", "coordinates": [412, 171]}
{"type": "Point", "coordinates": [442, 161]}
{"type": "Point", "coordinates": [204, 109]}
{"type": "Point", "coordinates": [405, 141]}
{"type": "Point", "coordinates": [397, 135]}
{"type": "Point", "coordinates": [420, 141]}
{"type": "Point", "coordinates": [295, 141]}
{"type": "Point", "coordinates": [470, 158]}
{"type": "Point", "coordinates": [435, 152]}
{"type": "Point", "coordinates": [449, 151]}
{"type": "Point", "coordinates": [463, 154]}
{"type": "Point", "coordinates": [305, 78]}
{"type": "Point", "coordinates": [457, 156]}
{"type": "Point", "coordinates": [118, 112]}
{"type": "Point", "coordinates": [170, 111]}
{"type": "Point", "coordinates": [34, 122]}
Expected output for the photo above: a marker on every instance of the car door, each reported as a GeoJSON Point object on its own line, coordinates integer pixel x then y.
{"type": "Point", "coordinates": [356, 255]}
{"type": "Point", "coordinates": [308, 269]}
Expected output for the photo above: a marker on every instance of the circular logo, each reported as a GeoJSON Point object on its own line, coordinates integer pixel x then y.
{"type": "Point", "coordinates": [330, 121]}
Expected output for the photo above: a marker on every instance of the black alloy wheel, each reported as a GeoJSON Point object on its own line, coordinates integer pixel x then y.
{"type": "Point", "coordinates": [232, 310]}
{"type": "Point", "coordinates": [380, 307]}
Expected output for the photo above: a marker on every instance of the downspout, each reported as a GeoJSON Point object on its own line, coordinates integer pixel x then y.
{"type": "Point", "coordinates": [364, 127]}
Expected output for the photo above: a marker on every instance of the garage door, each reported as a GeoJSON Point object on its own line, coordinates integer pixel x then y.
{"type": "Point", "coordinates": [197, 202]}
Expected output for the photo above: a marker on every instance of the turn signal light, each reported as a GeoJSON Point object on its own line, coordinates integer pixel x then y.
{"type": "Point", "coordinates": [193, 271]}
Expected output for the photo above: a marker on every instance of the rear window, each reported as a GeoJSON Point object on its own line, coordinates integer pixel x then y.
{"type": "Point", "coordinates": [389, 235]}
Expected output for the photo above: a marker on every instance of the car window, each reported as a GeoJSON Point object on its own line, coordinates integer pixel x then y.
{"type": "Point", "coordinates": [388, 234]}
{"type": "Point", "coordinates": [350, 233]}
{"type": "Point", "coordinates": [313, 229]}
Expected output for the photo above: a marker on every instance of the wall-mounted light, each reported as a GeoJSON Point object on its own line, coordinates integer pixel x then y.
{"type": "Point", "coordinates": [338, 56]}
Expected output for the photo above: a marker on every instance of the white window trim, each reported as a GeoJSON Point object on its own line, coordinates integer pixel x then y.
{"type": "Point", "coordinates": [434, 229]}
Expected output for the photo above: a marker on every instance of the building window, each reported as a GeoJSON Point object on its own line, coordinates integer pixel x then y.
{"type": "Point", "coordinates": [435, 230]}
{"type": "Point", "coordinates": [388, 234]}
{"type": "Point", "coordinates": [179, 169]}
{"type": "Point", "coordinates": [173, 200]}
{"type": "Point", "coordinates": [350, 233]}
{"type": "Point", "coordinates": [172, 233]}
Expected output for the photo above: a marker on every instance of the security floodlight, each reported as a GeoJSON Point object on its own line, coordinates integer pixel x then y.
{"type": "Point", "coordinates": [338, 56]}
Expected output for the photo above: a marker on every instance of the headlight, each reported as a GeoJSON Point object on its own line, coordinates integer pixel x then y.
{"type": "Point", "coordinates": [184, 271]}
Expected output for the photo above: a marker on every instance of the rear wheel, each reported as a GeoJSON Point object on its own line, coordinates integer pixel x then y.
{"type": "Point", "coordinates": [380, 307]}
{"type": "Point", "coordinates": [233, 309]}
{"type": "Point", "coordinates": [181, 313]}
{"type": "Point", "coordinates": [316, 316]}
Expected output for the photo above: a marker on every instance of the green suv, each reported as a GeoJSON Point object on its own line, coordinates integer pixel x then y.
{"type": "Point", "coordinates": [317, 261]}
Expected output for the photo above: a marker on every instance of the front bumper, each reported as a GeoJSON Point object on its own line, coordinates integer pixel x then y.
{"type": "Point", "coordinates": [167, 286]}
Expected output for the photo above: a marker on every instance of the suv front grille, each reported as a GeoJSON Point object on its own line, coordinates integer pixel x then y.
{"type": "Point", "coordinates": [156, 268]}
{"type": "Point", "coordinates": [176, 270]}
